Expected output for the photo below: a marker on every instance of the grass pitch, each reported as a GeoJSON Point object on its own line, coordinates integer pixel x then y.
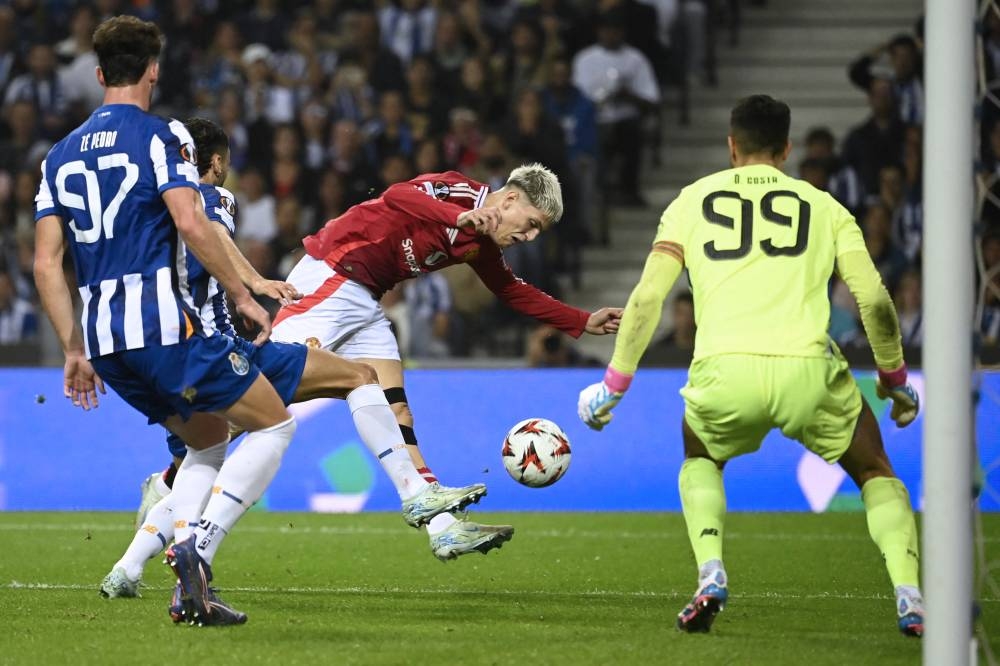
{"type": "Point", "coordinates": [574, 589]}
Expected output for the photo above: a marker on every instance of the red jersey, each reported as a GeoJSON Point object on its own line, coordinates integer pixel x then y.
{"type": "Point", "coordinates": [410, 230]}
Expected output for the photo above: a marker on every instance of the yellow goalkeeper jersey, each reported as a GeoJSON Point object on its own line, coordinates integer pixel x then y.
{"type": "Point", "coordinates": [759, 247]}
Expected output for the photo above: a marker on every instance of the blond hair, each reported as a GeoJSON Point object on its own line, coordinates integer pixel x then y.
{"type": "Point", "coordinates": [541, 186]}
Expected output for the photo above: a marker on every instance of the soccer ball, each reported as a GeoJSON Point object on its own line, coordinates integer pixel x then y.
{"type": "Point", "coordinates": [536, 453]}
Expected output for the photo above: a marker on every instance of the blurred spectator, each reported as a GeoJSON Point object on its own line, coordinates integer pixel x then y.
{"type": "Point", "coordinates": [288, 175]}
{"type": "Point", "coordinates": [908, 222]}
{"type": "Point", "coordinates": [905, 72]}
{"type": "Point", "coordinates": [619, 79]}
{"type": "Point", "coordinates": [451, 49]}
{"type": "Point", "coordinates": [877, 142]}
{"type": "Point", "coordinates": [909, 308]}
{"type": "Point", "coordinates": [83, 91]}
{"type": "Point", "coordinates": [842, 183]}
{"type": "Point", "coordinates": [888, 259]}
{"type": "Point", "coordinates": [816, 172]}
{"type": "Point", "coordinates": [257, 208]}
{"type": "Point", "coordinates": [388, 133]}
{"type": "Point", "coordinates": [229, 110]}
{"type": "Point", "coordinates": [221, 66]}
{"type": "Point", "coordinates": [265, 23]}
{"type": "Point", "coordinates": [461, 143]}
{"type": "Point", "coordinates": [682, 326]}
{"type": "Point", "coordinates": [352, 162]}
{"type": "Point", "coordinates": [494, 163]}
{"type": "Point", "coordinates": [10, 59]}
{"type": "Point", "coordinates": [25, 188]}
{"type": "Point", "coordinates": [550, 348]}
{"type": "Point", "coordinates": [428, 307]}
{"type": "Point", "coordinates": [407, 27]}
{"type": "Point", "coordinates": [18, 322]}
{"type": "Point", "coordinates": [40, 86]}
{"type": "Point", "coordinates": [577, 116]}
{"type": "Point", "coordinates": [187, 28]}
{"type": "Point", "coordinates": [350, 96]}
{"type": "Point", "coordinates": [681, 31]}
{"type": "Point", "coordinates": [427, 158]}
{"type": "Point", "coordinates": [526, 60]}
{"type": "Point", "coordinates": [304, 67]}
{"type": "Point", "coordinates": [330, 199]}
{"type": "Point", "coordinates": [315, 123]}
{"type": "Point", "coordinates": [383, 68]}
{"type": "Point", "coordinates": [560, 22]}
{"type": "Point", "coordinates": [395, 169]}
{"type": "Point", "coordinates": [23, 147]}
{"type": "Point", "coordinates": [286, 246]}
{"type": "Point", "coordinates": [264, 99]}
{"type": "Point", "coordinates": [470, 321]}
{"type": "Point", "coordinates": [534, 136]}
{"type": "Point", "coordinates": [477, 91]}
{"type": "Point", "coordinates": [427, 112]}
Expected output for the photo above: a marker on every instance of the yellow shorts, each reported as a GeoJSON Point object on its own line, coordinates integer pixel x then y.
{"type": "Point", "coordinates": [732, 401]}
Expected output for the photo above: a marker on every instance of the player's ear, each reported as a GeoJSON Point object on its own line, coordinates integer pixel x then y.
{"type": "Point", "coordinates": [100, 76]}
{"type": "Point", "coordinates": [788, 150]}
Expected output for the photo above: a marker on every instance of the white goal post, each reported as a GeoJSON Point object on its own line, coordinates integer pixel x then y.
{"type": "Point", "coordinates": [948, 269]}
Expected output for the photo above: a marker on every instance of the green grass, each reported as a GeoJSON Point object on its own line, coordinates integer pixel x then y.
{"type": "Point", "coordinates": [363, 589]}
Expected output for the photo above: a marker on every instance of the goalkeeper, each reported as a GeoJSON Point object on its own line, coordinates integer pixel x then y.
{"type": "Point", "coordinates": [760, 248]}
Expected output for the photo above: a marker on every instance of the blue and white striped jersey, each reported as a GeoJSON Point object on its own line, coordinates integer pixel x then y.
{"type": "Point", "coordinates": [209, 297]}
{"type": "Point", "coordinates": [105, 180]}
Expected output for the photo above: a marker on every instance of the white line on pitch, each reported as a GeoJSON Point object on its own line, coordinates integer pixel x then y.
{"type": "Point", "coordinates": [16, 585]}
{"type": "Point", "coordinates": [380, 531]}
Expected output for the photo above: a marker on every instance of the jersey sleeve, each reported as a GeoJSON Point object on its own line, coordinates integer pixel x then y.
{"type": "Point", "coordinates": [643, 310]}
{"type": "Point", "coordinates": [172, 152]}
{"type": "Point", "coordinates": [454, 187]}
{"type": "Point", "coordinates": [220, 207]}
{"type": "Point", "coordinates": [878, 314]}
{"type": "Point", "coordinates": [847, 234]}
{"type": "Point", "coordinates": [523, 297]}
{"type": "Point", "coordinates": [673, 231]}
{"type": "Point", "coordinates": [415, 199]}
{"type": "Point", "coordinates": [45, 203]}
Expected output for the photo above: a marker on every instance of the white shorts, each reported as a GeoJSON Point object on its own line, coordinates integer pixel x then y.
{"type": "Point", "coordinates": [337, 313]}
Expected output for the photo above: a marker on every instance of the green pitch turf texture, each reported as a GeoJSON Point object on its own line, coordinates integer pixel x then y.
{"type": "Point", "coordinates": [364, 589]}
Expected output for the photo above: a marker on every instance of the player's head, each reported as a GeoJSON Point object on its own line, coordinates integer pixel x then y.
{"type": "Point", "coordinates": [211, 146]}
{"type": "Point", "coordinates": [127, 51]}
{"type": "Point", "coordinates": [530, 202]}
{"type": "Point", "coordinates": [758, 131]}
{"type": "Point", "coordinates": [905, 57]}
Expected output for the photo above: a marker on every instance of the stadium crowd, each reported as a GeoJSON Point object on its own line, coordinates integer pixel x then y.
{"type": "Point", "coordinates": [327, 102]}
{"type": "Point", "coordinates": [877, 175]}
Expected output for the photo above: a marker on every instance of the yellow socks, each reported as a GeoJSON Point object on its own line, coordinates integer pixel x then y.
{"type": "Point", "coordinates": [891, 525]}
{"type": "Point", "coordinates": [704, 502]}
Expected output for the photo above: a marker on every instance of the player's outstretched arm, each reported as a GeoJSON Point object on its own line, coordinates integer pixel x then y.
{"type": "Point", "coordinates": [185, 208]}
{"type": "Point", "coordinates": [283, 292]}
{"type": "Point", "coordinates": [80, 382]}
{"type": "Point", "coordinates": [638, 323]}
{"type": "Point", "coordinates": [878, 316]}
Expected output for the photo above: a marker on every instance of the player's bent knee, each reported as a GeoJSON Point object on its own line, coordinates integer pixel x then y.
{"type": "Point", "coordinates": [366, 374]}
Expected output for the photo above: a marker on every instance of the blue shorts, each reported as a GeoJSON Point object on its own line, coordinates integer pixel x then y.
{"type": "Point", "coordinates": [281, 362]}
{"type": "Point", "coordinates": [197, 375]}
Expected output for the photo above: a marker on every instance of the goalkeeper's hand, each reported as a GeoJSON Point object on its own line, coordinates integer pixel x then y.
{"type": "Point", "coordinates": [905, 402]}
{"type": "Point", "coordinates": [595, 405]}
